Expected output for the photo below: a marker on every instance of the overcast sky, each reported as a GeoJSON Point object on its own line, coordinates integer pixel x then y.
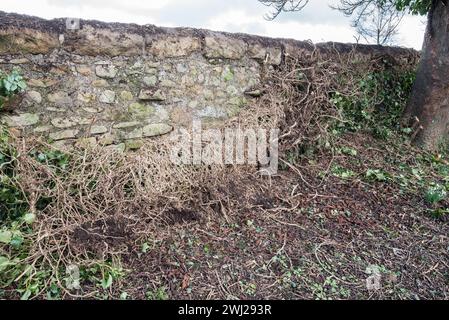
{"type": "Point", "coordinates": [317, 22]}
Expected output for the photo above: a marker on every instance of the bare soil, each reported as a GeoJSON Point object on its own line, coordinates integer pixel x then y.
{"type": "Point", "coordinates": [291, 237]}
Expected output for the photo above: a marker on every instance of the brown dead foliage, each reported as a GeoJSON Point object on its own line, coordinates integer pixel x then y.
{"type": "Point", "coordinates": [226, 232]}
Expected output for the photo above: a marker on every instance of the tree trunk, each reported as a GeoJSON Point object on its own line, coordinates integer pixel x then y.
{"type": "Point", "coordinates": [429, 102]}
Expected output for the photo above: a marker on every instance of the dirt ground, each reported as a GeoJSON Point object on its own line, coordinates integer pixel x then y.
{"type": "Point", "coordinates": [304, 234]}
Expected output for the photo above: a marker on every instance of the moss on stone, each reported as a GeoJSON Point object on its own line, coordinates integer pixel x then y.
{"type": "Point", "coordinates": [6, 44]}
{"type": "Point", "coordinates": [235, 105]}
{"type": "Point", "coordinates": [229, 75]}
{"type": "Point", "coordinates": [133, 144]}
{"type": "Point", "coordinates": [139, 110]}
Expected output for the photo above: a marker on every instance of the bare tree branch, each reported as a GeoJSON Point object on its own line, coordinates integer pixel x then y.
{"type": "Point", "coordinates": [376, 21]}
{"type": "Point", "coordinates": [283, 6]}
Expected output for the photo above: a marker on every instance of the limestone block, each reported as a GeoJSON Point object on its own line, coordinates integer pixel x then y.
{"type": "Point", "coordinates": [106, 71]}
{"type": "Point", "coordinates": [22, 120]}
{"type": "Point", "coordinates": [172, 47]}
{"type": "Point", "coordinates": [221, 46]}
{"type": "Point", "coordinates": [15, 40]}
{"type": "Point", "coordinates": [107, 96]}
{"type": "Point", "coordinates": [63, 135]}
{"type": "Point", "coordinates": [104, 41]}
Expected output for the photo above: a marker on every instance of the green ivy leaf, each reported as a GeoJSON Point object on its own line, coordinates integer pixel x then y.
{"type": "Point", "coordinates": [145, 247]}
{"type": "Point", "coordinates": [7, 85]}
{"type": "Point", "coordinates": [4, 263]}
{"type": "Point", "coordinates": [26, 295]}
{"type": "Point", "coordinates": [29, 218]}
{"type": "Point", "coordinates": [106, 283]}
{"type": "Point", "coordinates": [5, 236]}
{"type": "Point", "coordinates": [17, 239]}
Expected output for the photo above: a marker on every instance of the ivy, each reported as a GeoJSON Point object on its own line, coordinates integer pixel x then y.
{"type": "Point", "coordinates": [377, 104]}
{"type": "Point", "coordinates": [419, 7]}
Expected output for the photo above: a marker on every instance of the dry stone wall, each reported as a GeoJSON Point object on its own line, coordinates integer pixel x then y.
{"type": "Point", "coordinates": [118, 83]}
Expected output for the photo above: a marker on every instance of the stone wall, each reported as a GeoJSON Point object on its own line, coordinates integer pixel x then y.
{"type": "Point", "coordinates": [115, 83]}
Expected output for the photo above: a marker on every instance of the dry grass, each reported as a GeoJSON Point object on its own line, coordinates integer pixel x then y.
{"type": "Point", "coordinates": [103, 199]}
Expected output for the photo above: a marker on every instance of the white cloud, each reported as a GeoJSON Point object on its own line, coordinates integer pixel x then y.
{"type": "Point", "coordinates": [411, 33]}
{"type": "Point", "coordinates": [237, 20]}
{"type": "Point", "coordinates": [317, 22]}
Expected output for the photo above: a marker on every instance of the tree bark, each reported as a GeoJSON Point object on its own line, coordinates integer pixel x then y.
{"type": "Point", "coordinates": [428, 106]}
